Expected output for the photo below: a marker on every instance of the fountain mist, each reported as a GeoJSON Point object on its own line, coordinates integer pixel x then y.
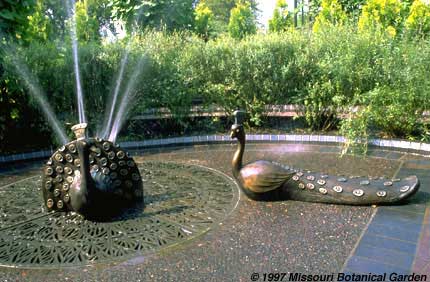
{"type": "Point", "coordinates": [36, 91]}
{"type": "Point", "coordinates": [107, 123]}
{"type": "Point", "coordinates": [111, 105]}
{"type": "Point", "coordinates": [71, 9]}
{"type": "Point", "coordinates": [125, 99]}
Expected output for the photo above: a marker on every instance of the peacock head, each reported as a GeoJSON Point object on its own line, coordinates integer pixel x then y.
{"type": "Point", "coordinates": [237, 131]}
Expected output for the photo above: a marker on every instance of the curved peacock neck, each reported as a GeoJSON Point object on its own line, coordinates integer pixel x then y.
{"type": "Point", "coordinates": [238, 155]}
{"type": "Point", "coordinates": [79, 196]}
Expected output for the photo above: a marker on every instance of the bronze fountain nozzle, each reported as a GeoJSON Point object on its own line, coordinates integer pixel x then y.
{"type": "Point", "coordinates": [79, 130]}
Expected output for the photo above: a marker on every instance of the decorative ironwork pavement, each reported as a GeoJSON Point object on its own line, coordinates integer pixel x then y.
{"type": "Point", "coordinates": [182, 201]}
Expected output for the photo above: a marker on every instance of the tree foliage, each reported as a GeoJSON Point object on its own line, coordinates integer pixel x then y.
{"type": "Point", "coordinates": [160, 14]}
{"type": "Point", "coordinates": [385, 15]}
{"type": "Point", "coordinates": [13, 17]}
{"type": "Point", "coordinates": [87, 24]}
{"type": "Point", "coordinates": [331, 14]}
{"type": "Point", "coordinates": [418, 21]}
{"type": "Point", "coordinates": [203, 20]}
{"type": "Point", "coordinates": [282, 18]}
{"type": "Point", "coordinates": [352, 7]}
{"type": "Point", "coordinates": [242, 21]}
{"type": "Point", "coordinates": [39, 27]}
{"type": "Point", "coordinates": [222, 8]}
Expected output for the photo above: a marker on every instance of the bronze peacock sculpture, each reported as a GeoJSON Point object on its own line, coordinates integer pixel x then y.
{"type": "Point", "coordinates": [266, 180]}
{"type": "Point", "coordinates": [92, 177]}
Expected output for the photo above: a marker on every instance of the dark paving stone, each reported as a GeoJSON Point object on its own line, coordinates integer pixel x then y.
{"type": "Point", "coordinates": [330, 149]}
{"type": "Point", "coordinates": [401, 260]}
{"type": "Point", "coordinates": [377, 153]}
{"type": "Point", "coordinates": [394, 232]}
{"type": "Point", "coordinates": [388, 243]}
{"type": "Point", "coordinates": [412, 207]}
{"type": "Point", "coordinates": [364, 265]}
{"type": "Point", "coordinates": [412, 222]}
{"type": "Point", "coordinates": [423, 252]}
{"type": "Point", "coordinates": [349, 275]}
{"type": "Point", "coordinates": [385, 214]}
{"type": "Point", "coordinates": [349, 272]}
{"type": "Point", "coordinates": [415, 159]}
{"type": "Point", "coordinates": [364, 276]}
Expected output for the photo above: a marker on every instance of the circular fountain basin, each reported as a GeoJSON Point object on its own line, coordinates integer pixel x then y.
{"type": "Point", "coordinates": [201, 227]}
{"type": "Point", "coordinates": [182, 201]}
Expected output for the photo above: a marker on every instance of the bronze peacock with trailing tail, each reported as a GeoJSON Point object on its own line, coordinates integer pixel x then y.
{"type": "Point", "coordinates": [266, 180]}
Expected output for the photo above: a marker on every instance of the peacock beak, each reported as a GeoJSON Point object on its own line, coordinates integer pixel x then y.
{"type": "Point", "coordinates": [232, 134]}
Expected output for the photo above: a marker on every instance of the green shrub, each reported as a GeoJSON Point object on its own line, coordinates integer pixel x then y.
{"type": "Point", "coordinates": [203, 20]}
{"type": "Point", "coordinates": [242, 20]}
{"type": "Point", "coordinates": [418, 21]}
{"type": "Point", "coordinates": [87, 24]}
{"type": "Point", "coordinates": [331, 14]}
{"type": "Point", "coordinates": [384, 15]}
{"type": "Point", "coordinates": [340, 65]}
{"type": "Point", "coordinates": [282, 19]}
{"type": "Point", "coordinates": [395, 106]}
{"type": "Point", "coordinates": [247, 74]}
{"type": "Point", "coordinates": [385, 78]}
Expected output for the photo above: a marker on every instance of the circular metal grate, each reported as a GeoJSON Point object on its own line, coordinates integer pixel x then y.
{"type": "Point", "coordinates": [181, 202]}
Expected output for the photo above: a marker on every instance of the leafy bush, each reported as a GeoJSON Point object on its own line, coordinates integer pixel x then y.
{"type": "Point", "coordinates": [282, 19]}
{"type": "Point", "coordinates": [203, 20]}
{"type": "Point", "coordinates": [331, 14]}
{"type": "Point", "coordinates": [247, 74]}
{"type": "Point", "coordinates": [385, 79]}
{"type": "Point", "coordinates": [386, 15]}
{"type": "Point", "coordinates": [418, 21]}
{"type": "Point", "coordinates": [395, 106]}
{"type": "Point", "coordinates": [242, 20]}
{"type": "Point", "coordinates": [87, 24]}
{"type": "Point", "coordinates": [342, 64]}
{"type": "Point", "coordinates": [39, 27]}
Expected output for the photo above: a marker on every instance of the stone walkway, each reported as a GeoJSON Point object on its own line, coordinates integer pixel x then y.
{"type": "Point", "coordinates": [398, 237]}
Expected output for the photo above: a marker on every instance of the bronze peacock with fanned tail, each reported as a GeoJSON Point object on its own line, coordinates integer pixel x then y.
{"type": "Point", "coordinates": [266, 180]}
{"type": "Point", "coordinates": [91, 176]}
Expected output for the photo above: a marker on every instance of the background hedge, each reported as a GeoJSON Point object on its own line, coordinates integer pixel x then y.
{"type": "Point", "coordinates": [327, 71]}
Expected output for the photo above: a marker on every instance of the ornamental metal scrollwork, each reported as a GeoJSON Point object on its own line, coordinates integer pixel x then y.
{"type": "Point", "coordinates": [175, 211]}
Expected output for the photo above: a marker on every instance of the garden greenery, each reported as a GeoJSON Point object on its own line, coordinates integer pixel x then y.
{"type": "Point", "coordinates": [331, 13]}
{"type": "Point", "coordinates": [382, 15]}
{"type": "Point", "coordinates": [203, 20]}
{"type": "Point", "coordinates": [418, 20]}
{"type": "Point", "coordinates": [282, 19]}
{"type": "Point", "coordinates": [242, 20]}
{"type": "Point", "coordinates": [385, 79]}
{"type": "Point", "coordinates": [364, 78]}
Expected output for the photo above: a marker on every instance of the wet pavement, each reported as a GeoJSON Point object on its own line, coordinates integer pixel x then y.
{"type": "Point", "coordinates": [284, 236]}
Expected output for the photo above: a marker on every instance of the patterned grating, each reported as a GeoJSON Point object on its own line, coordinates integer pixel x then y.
{"type": "Point", "coordinates": [182, 201]}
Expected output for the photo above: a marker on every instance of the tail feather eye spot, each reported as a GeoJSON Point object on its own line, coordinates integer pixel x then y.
{"type": "Point", "coordinates": [404, 188]}
{"type": "Point", "coordinates": [358, 192]}
{"type": "Point", "coordinates": [337, 189]}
